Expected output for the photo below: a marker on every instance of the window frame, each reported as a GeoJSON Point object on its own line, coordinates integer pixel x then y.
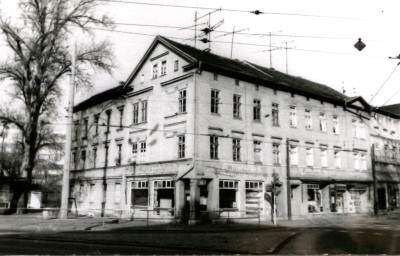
{"type": "Point", "coordinates": [236, 149]}
{"type": "Point", "coordinates": [256, 110]}
{"type": "Point", "coordinates": [275, 114]}
{"type": "Point", "coordinates": [214, 145]}
{"type": "Point", "coordinates": [236, 106]}
{"type": "Point", "coordinates": [182, 101]}
{"type": "Point", "coordinates": [215, 101]}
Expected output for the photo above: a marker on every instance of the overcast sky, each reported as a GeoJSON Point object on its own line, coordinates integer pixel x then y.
{"type": "Point", "coordinates": [332, 61]}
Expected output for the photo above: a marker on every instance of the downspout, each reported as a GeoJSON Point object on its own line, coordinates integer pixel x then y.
{"type": "Point", "coordinates": [288, 186]}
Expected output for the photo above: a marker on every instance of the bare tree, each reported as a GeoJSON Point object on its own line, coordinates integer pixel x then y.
{"type": "Point", "coordinates": [41, 60]}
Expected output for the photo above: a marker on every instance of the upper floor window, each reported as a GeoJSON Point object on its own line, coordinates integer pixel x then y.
{"type": "Point", "coordinates": [181, 146]}
{"type": "Point", "coordinates": [83, 158]}
{"type": "Point", "coordinates": [119, 156]}
{"type": "Point", "coordinates": [176, 65]}
{"type": "Point", "coordinates": [236, 149]}
{"type": "Point", "coordinates": [142, 151]}
{"type": "Point", "coordinates": [214, 101]}
{"type": "Point", "coordinates": [144, 111]}
{"type": "Point", "coordinates": [294, 155]}
{"type": "Point", "coordinates": [76, 130]}
{"type": "Point", "coordinates": [155, 71]}
{"type": "Point", "coordinates": [182, 101]}
{"type": "Point", "coordinates": [108, 113]}
{"type": "Point", "coordinates": [293, 117]}
{"type": "Point", "coordinates": [308, 119]}
{"type": "Point", "coordinates": [134, 150]}
{"type": "Point", "coordinates": [336, 127]}
{"type": "Point", "coordinates": [96, 123]}
{"type": "Point", "coordinates": [310, 156]}
{"type": "Point", "coordinates": [121, 117]}
{"type": "Point", "coordinates": [322, 122]}
{"type": "Point", "coordinates": [276, 153]}
{"type": "Point", "coordinates": [324, 157]}
{"type": "Point", "coordinates": [237, 82]}
{"type": "Point", "coordinates": [256, 110]}
{"type": "Point", "coordinates": [85, 128]}
{"type": "Point", "coordinates": [257, 151]}
{"type": "Point", "coordinates": [215, 77]}
{"type": "Point", "coordinates": [214, 147]}
{"type": "Point", "coordinates": [135, 113]}
{"type": "Point", "coordinates": [236, 106]}
{"type": "Point", "coordinates": [363, 161]}
{"type": "Point", "coordinates": [163, 67]}
{"type": "Point", "coordinates": [361, 128]}
{"type": "Point", "coordinates": [337, 159]}
{"type": "Point", "coordinates": [356, 161]}
{"type": "Point", "coordinates": [73, 159]}
{"type": "Point", "coordinates": [275, 114]}
{"type": "Point", "coordinates": [94, 157]}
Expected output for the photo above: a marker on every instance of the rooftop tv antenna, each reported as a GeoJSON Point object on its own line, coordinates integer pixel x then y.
{"type": "Point", "coordinates": [233, 36]}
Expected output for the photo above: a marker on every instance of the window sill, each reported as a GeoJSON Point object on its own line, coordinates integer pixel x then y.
{"type": "Point", "coordinates": [175, 114]}
{"type": "Point", "coordinates": [214, 159]}
{"type": "Point", "coordinates": [277, 164]}
{"type": "Point", "coordinates": [308, 129]}
{"type": "Point", "coordinates": [257, 121]}
{"type": "Point", "coordinates": [258, 163]}
{"type": "Point", "coordinates": [292, 126]}
{"type": "Point", "coordinates": [237, 118]}
{"type": "Point", "coordinates": [215, 114]}
{"type": "Point", "coordinates": [276, 125]}
{"type": "Point", "coordinates": [139, 123]}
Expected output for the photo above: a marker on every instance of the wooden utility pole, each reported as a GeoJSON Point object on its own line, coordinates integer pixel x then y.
{"type": "Point", "coordinates": [68, 140]}
{"type": "Point", "coordinates": [195, 29]}
{"type": "Point", "coordinates": [233, 35]}
{"type": "Point", "coordinates": [288, 186]}
{"type": "Point", "coordinates": [270, 50]}
{"type": "Point", "coordinates": [375, 183]}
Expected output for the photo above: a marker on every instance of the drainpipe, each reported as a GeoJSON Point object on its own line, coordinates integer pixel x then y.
{"type": "Point", "coordinates": [375, 185]}
{"type": "Point", "coordinates": [288, 186]}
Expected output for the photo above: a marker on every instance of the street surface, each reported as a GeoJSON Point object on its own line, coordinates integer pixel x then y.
{"type": "Point", "coordinates": [341, 236]}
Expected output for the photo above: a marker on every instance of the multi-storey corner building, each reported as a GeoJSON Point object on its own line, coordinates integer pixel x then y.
{"type": "Point", "coordinates": [191, 135]}
{"type": "Point", "coordinates": [385, 138]}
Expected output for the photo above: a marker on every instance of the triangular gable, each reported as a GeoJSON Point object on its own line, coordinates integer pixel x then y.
{"type": "Point", "coordinates": [358, 103]}
{"type": "Point", "coordinates": [156, 41]}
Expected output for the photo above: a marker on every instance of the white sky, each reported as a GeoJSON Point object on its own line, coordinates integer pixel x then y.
{"type": "Point", "coordinates": [363, 72]}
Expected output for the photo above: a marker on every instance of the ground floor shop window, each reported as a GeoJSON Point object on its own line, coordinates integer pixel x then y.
{"type": "Point", "coordinates": [337, 198]}
{"type": "Point", "coordinates": [164, 195]}
{"type": "Point", "coordinates": [140, 193]}
{"type": "Point", "coordinates": [254, 193]}
{"type": "Point", "coordinates": [314, 198]}
{"type": "Point", "coordinates": [227, 193]}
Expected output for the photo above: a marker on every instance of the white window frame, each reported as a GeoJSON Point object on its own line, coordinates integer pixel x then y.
{"type": "Point", "coordinates": [293, 117]}
{"type": "Point", "coordinates": [257, 151]}
{"type": "Point", "coordinates": [324, 157]}
{"type": "Point", "coordinates": [337, 159]}
{"type": "Point", "coordinates": [214, 101]}
{"type": "Point", "coordinates": [236, 149]}
{"type": "Point", "coordinates": [322, 122]}
{"type": "Point", "coordinates": [236, 106]}
{"type": "Point", "coordinates": [181, 146]}
{"type": "Point", "coordinates": [336, 125]}
{"type": "Point", "coordinates": [117, 195]}
{"type": "Point", "coordinates": [163, 67]}
{"type": "Point", "coordinates": [154, 70]}
{"type": "Point", "coordinates": [143, 149]}
{"type": "Point", "coordinates": [310, 156]}
{"type": "Point", "coordinates": [308, 119]}
{"type": "Point", "coordinates": [182, 101]}
{"type": "Point", "coordinates": [276, 154]}
{"type": "Point", "coordinates": [294, 155]}
{"type": "Point", "coordinates": [356, 160]}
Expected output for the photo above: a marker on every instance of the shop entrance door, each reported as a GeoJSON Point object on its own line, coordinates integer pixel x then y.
{"type": "Point", "coordinates": [382, 198]}
{"type": "Point", "coordinates": [339, 202]}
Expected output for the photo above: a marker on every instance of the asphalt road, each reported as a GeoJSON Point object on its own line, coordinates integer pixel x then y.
{"type": "Point", "coordinates": [379, 238]}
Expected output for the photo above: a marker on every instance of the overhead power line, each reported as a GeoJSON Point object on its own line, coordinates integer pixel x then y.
{"type": "Point", "coordinates": [256, 12]}
{"type": "Point", "coordinates": [391, 73]}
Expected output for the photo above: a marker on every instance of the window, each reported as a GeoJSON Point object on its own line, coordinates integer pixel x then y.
{"type": "Point", "coordinates": [337, 159]}
{"type": "Point", "coordinates": [361, 133]}
{"type": "Point", "coordinates": [83, 157]}
{"type": "Point", "coordinates": [136, 113]}
{"type": "Point", "coordinates": [314, 197]}
{"type": "Point", "coordinates": [356, 161]}
{"type": "Point", "coordinates": [108, 113]}
{"type": "Point", "coordinates": [73, 160]}
{"type": "Point", "coordinates": [182, 101]}
{"type": "Point", "coordinates": [164, 194]}
{"type": "Point", "coordinates": [214, 147]}
{"type": "Point", "coordinates": [144, 111]}
{"type": "Point", "coordinates": [228, 190]}
{"type": "Point", "coordinates": [215, 77]}
{"type": "Point", "coordinates": [236, 106]}
{"type": "Point", "coordinates": [134, 150]}
{"type": "Point", "coordinates": [96, 123]}
{"type": "Point", "coordinates": [236, 149]}
{"type": "Point", "coordinates": [91, 193]}
{"type": "Point", "coordinates": [119, 148]}
{"type": "Point", "coordinates": [293, 117]}
{"type": "Point", "coordinates": [310, 157]}
{"type": "Point", "coordinates": [140, 193]}
{"type": "Point", "coordinates": [294, 155]}
{"type": "Point", "coordinates": [257, 110]}
{"type": "Point", "coordinates": [308, 119]}
{"type": "Point", "coordinates": [214, 101]}
{"type": "Point", "coordinates": [142, 79]}
{"type": "Point", "coordinates": [276, 153]}
{"type": "Point", "coordinates": [354, 125]}
{"type": "Point", "coordinates": [121, 117]}
{"type": "Point", "coordinates": [176, 65]}
{"type": "Point", "coordinates": [237, 82]}
{"type": "Point", "coordinates": [322, 122]}
{"type": "Point", "coordinates": [142, 151]}
{"type": "Point", "coordinates": [155, 71]}
{"type": "Point", "coordinates": [363, 162]}
{"type": "Point", "coordinates": [94, 157]}
{"type": "Point", "coordinates": [117, 193]}
{"type": "Point", "coordinates": [181, 146]}
{"type": "Point", "coordinates": [164, 67]}
{"type": "Point", "coordinates": [86, 128]}
{"type": "Point", "coordinates": [275, 114]}
{"type": "Point", "coordinates": [257, 151]}
{"type": "Point", "coordinates": [76, 129]}
{"type": "Point", "coordinates": [324, 158]}
{"type": "Point", "coordinates": [336, 127]}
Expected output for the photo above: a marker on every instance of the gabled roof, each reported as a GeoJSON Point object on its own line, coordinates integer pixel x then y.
{"type": "Point", "coordinates": [391, 110]}
{"type": "Point", "coordinates": [245, 71]}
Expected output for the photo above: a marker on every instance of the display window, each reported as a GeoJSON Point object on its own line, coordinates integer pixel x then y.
{"type": "Point", "coordinates": [164, 195]}
{"type": "Point", "coordinates": [314, 196]}
{"type": "Point", "coordinates": [140, 193]}
{"type": "Point", "coordinates": [228, 190]}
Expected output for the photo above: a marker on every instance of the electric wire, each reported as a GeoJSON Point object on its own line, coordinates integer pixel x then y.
{"type": "Point", "coordinates": [391, 73]}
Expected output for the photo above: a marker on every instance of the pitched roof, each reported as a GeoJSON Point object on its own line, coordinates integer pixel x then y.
{"type": "Point", "coordinates": [101, 97]}
{"type": "Point", "coordinates": [250, 71]}
{"type": "Point", "coordinates": [392, 109]}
